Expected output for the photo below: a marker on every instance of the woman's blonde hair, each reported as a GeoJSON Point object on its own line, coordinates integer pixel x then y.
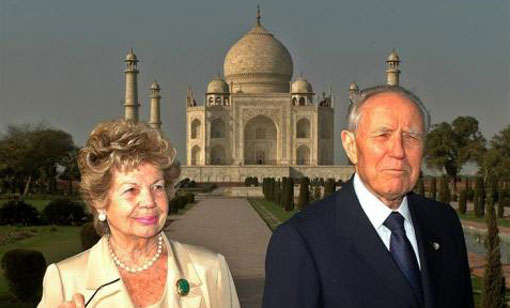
{"type": "Point", "coordinates": [121, 145]}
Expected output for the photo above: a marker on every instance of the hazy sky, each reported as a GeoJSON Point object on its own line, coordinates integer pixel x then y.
{"type": "Point", "coordinates": [62, 61]}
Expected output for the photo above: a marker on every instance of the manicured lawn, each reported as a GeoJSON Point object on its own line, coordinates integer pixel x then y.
{"type": "Point", "coordinates": [505, 222]}
{"type": "Point", "coordinates": [55, 242]}
{"type": "Point", "coordinates": [270, 212]}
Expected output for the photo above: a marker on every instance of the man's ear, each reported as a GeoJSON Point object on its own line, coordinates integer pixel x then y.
{"type": "Point", "coordinates": [349, 144]}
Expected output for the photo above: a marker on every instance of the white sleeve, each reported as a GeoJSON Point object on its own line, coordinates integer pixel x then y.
{"type": "Point", "coordinates": [227, 295]}
{"type": "Point", "coordinates": [53, 293]}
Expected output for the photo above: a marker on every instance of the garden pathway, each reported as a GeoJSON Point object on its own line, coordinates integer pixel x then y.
{"type": "Point", "coordinates": [233, 228]}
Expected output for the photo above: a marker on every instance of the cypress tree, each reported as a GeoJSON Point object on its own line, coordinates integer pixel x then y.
{"type": "Point", "coordinates": [462, 202]}
{"type": "Point", "coordinates": [421, 187]}
{"type": "Point", "coordinates": [283, 198]}
{"type": "Point", "coordinates": [317, 192]}
{"type": "Point", "coordinates": [264, 187]}
{"type": "Point", "coordinates": [493, 293]}
{"type": "Point", "coordinates": [289, 195]}
{"type": "Point", "coordinates": [501, 201]}
{"type": "Point", "coordinates": [270, 189]}
{"type": "Point", "coordinates": [277, 192]}
{"type": "Point", "coordinates": [433, 188]}
{"type": "Point", "coordinates": [329, 187]}
{"type": "Point", "coordinates": [479, 199]}
{"type": "Point", "coordinates": [304, 193]}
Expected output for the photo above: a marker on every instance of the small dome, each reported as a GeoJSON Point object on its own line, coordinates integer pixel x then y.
{"type": "Point", "coordinates": [155, 85]}
{"type": "Point", "coordinates": [131, 56]}
{"type": "Point", "coordinates": [353, 86]}
{"type": "Point", "coordinates": [301, 85]}
{"type": "Point", "coordinates": [217, 85]}
{"type": "Point", "coordinates": [393, 56]}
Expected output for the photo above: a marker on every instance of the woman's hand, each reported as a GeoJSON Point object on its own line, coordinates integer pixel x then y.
{"type": "Point", "coordinates": [78, 301]}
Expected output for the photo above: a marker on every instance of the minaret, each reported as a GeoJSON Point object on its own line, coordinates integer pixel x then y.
{"type": "Point", "coordinates": [353, 89]}
{"type": "Point", "coordinates": [392, 71]}
{"type": "Point", "coordinates": [155, 119]}
{"type": "Point", "coordinates": [131, 100]}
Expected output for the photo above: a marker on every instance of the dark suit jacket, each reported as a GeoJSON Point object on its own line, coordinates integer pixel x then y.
{"type": "Point", "coordinates": [330, 255]}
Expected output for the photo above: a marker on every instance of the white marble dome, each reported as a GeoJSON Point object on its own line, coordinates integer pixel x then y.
{"type": "Point", "coordinates": [258, 63]}
{"type": "Point", "coordinates": [217, 85]}
{"type": "Point", "coordinates": [301, 85]}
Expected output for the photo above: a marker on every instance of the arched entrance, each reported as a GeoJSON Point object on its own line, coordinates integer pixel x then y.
{"type": "Point", "coordinates": [260, 141]}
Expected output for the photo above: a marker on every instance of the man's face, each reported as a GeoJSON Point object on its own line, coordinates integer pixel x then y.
{"type": "Point", "coordinates": [387, 147]}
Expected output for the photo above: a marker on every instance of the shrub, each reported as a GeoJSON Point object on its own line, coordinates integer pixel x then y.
{"type": "Point", "coordinates": [18, 212]}
{"type": "Point", "coordinates": [462, 202]}
{"type": "Point", "coordinates": [24, 271]}
{"type": "Point", "coordinates": [289, 195]}
{"type": "Point", "coordinates": [88, 236]}
{"type": "Point", "coordinates": [177, 203]}
{"type": "Point", "coordinates": [317, 193]}
{"type": "Point", "coordinates": [278, 192]}
{"type": "Point", "coordinates": [283, 196]}
{"type": "Point", "coordinates": [64, 211]}
{"type": "Point", "coordinates": [190, 198]}
{"type": "Point", "coordinates": [304, 193]}
{"type": "Point", "coordinates": [329, 187]}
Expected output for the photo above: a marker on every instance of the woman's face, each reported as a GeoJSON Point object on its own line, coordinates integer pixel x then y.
{"type": "Point", "coordinates": [138, 202]}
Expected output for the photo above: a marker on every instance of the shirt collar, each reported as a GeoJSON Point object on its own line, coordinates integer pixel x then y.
{"type": "Point", "coordinates": [375, 209]}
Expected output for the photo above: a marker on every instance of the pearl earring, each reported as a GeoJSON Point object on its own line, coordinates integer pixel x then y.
{"type": "Point", "coordinates": [101, 216]}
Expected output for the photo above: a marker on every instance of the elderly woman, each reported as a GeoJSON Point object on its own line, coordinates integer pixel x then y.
{"type": "Point", "coordinates": [127, 178]}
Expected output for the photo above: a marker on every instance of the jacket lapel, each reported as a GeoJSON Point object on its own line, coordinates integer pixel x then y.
{"type": "Point", "coordinates": [429, 247]}
{"type": "Point", "coordinates": [101, 271]}
{"type": "Point", "coordinates": [182, 267]}
{"type": "Point", "coordinates": [354, 225]}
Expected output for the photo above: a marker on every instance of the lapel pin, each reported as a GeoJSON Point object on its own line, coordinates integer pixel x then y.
{"type": "Point", "coordinates": [436, 245]}
{"type": "Point", "coordinates": [182, 286]}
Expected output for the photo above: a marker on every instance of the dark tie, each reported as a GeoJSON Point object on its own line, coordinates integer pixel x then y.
{"type": "Point", "coordinates": [403, 252]}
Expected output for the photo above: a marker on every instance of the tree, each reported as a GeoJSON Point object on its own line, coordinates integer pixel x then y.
{"type": "Point", "coordinates": [304, 193]}
{"type": "Point", "coordinates": [493, 293]}
{"type": "Point", "coordinates": [421, 187]}
{"type": "Point", "coordinates": [289, 195]}
{"type": "Point", "coordinates": [496, 161]}
{"type": "Point", "coordinates": [444, 191]}
{"type": "Point", "coordinates": [462, 202]}
{"type": "Point", "coordinates": [317, 192]}
{"type": "Point", "coordinates": [449, 146]}
{"type": "Point", "coordinates": [71, 172]}
{"type": "Point", "coordinates": [26, 149]}
{"type": "Point", "coordinates": [479, 199]}
{"type": "Point", "coordinates": [502, 200]}
{"type": "Point", "coordinates": [329, 187]}
{"type": "Point", "coordinates": [433, 188]}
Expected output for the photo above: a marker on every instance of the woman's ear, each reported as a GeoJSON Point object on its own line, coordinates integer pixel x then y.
{"type": "Point", "coordinates": [349, 144]}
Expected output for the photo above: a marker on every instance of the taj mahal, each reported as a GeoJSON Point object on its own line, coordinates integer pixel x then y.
{"type": "Point", "coordinates": [255, 121]}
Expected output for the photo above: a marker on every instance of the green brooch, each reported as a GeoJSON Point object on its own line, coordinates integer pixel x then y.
{"type": "Point", "coordinates": [182, 286]}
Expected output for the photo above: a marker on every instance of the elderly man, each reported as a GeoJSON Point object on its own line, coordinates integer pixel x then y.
{"type": "Point", "coordinates": [373, 243]}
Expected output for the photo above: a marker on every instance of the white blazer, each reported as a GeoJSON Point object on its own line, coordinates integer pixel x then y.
{"type": "Point", "coordinates": [211, 284]}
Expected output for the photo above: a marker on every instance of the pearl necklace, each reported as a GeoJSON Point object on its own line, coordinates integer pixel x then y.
{"type": "Point", "coordinates": [144, 266]}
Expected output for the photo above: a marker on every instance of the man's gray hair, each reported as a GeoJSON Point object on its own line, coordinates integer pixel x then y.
{"type": "Point", "coordinates": [359, 99]}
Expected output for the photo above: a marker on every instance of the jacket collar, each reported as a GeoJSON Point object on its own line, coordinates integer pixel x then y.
{"type": "Point", "coordinates": [102, 269]}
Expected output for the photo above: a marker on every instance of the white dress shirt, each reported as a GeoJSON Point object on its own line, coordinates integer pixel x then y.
{"type": "Point", "coordinates": [377, 212]}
